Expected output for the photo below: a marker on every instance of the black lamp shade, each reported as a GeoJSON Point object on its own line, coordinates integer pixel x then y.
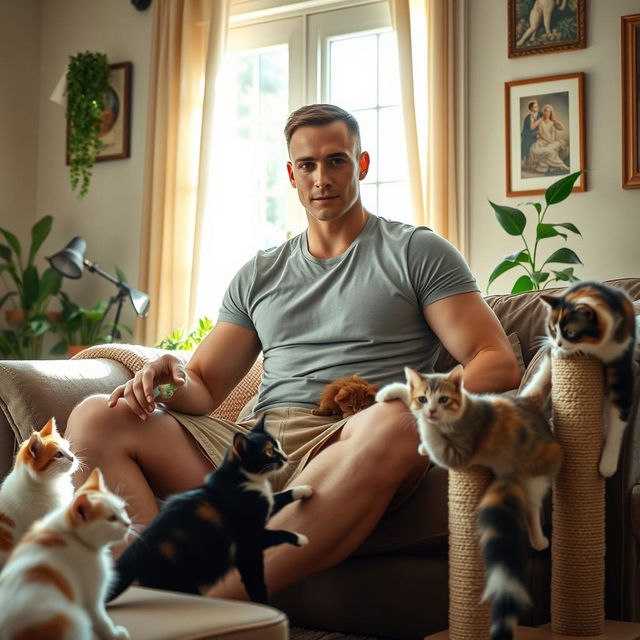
{"type": "Point", "coordinates": [70, 261]}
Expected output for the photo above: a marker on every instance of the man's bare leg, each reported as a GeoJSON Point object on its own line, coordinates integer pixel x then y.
{"type": "Point", "coordinates": [354, 479]}
{"type": "Point", "coordinates": [140, 459]}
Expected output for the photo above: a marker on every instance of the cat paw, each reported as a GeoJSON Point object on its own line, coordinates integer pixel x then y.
{"type": "Point", "coordinates": [607, 466]}
{"type": "Point", "coordinates": [303, 541]}
{"type": "Point", "coordinates": [540, 544]}
{"type": "Point", "coordinates": [121, 633]}
{"type": "Point", "coordinates": [422, 449]}
{"type": "Point", "coordinates": [302, 491]}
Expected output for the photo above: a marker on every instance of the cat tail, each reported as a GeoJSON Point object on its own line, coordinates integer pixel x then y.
{"type": "Point", "coordinates": [505, 547]}
{"type": "Point", "coordinates": [124, 573]}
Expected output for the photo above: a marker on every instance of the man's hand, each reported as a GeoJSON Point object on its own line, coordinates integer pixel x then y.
{"type": "Point", "coordinates": [138, 392]}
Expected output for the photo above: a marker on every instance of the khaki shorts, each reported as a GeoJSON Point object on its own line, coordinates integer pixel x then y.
{"type": "Point", "coordinates": [301, 435]}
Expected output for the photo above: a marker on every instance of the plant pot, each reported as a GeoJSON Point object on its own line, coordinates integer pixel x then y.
{"type": "Point", "coordinates": [15, 317]}
{"type": "Point", "coordinates": [73, 349]}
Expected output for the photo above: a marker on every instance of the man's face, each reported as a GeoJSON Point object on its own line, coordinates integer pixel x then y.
{"type": "Point", "coordinates": [325, 169]}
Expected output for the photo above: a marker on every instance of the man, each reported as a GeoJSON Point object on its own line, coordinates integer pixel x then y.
{"type": "Point", "coordinates": [529, 130]}
{"type": "Point", "coordinates": [354, 294]}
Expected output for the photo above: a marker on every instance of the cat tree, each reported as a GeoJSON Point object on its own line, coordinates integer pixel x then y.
{"type": "Point", "coordinates": [578, 545]}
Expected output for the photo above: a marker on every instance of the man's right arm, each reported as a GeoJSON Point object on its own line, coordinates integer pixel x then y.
{"type": "Point", "coordinates": [218, 364]}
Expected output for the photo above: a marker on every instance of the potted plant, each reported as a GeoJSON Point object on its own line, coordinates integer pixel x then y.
{"type": "Point", "coordinates": [80, 328]}
{"type": "Point", "coordinates": [28, 293]}
{"type": "Point", "coordinates": [87, 86]}
{"type": "Point", "coordinates": [538, 275]}
{"type": "Point", "coordinates": [181, 339]}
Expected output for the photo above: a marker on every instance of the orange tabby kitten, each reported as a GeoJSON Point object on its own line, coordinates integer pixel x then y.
{"type": "Point", "coordinates": [346, 396]}
{"type": "Point", "coordinates": [39, 482]}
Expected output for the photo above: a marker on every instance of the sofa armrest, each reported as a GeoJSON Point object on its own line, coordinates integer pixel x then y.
{"type": "Point", "coordinates": [34, 390]}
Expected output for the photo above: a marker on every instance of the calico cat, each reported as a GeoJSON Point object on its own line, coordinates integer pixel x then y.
{"type": "Point", "coordinates": [39, 482]}
{"type": "Point", "coordinates": [54, 583]}
{"type": "Point", "coordinates": [346, 396]}
{"type": "Point", "coordinates": [510, 436]}
{"type": "Point", "coordinates": [199, 535]}
{"type": "Point", "coordinates": [599, 320]}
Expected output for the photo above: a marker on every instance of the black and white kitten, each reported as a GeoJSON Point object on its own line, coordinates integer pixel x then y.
{"type": "Point", "coordinates": [199, 535]}
{"type": "Point", "coordinates": [599, 320]}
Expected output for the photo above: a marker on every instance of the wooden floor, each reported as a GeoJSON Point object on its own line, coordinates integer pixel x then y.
{"type": "Point", "coordinates": [613, 630]}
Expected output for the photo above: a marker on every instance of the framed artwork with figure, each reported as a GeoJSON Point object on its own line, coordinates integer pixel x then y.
{"type": "Point", "coordinates": [545, 26]}
{"type": "Point", "coordinates": [630, 102]}
{"type": "Point", "coordinates": [544, 120]}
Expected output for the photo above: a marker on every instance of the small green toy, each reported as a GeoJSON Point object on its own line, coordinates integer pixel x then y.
{"type": "Point", "coordinates": [164, 391]}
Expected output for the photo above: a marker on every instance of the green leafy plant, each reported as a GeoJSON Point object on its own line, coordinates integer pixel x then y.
{"type": "Point", "coordinates": [87, 87]}
{"type": "Point", "coordinates": [80, 326]}
{"type": "Point", "coordinates": [187, 340]}
{"type": "Point", "coordinates": [28, 292]}
{"type": "Point", "coordinates": [538, 274]}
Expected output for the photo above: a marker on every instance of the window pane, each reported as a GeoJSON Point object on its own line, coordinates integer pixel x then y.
{"type": "Point", "coordinates": [388, 69]}
{"type": "Point", "coordinates": [353, 75]}
{"type": "Point", "coordinates": [394, 202]}
{"type": "Point", "coordinates": [392, 163]}
{"type": "Point", "coordinates": [369, 195]}
{"type": "Point", "coordinates": [368, 121]}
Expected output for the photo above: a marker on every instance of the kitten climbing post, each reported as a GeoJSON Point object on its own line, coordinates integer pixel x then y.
{"type": "Point", "coordinates": [578, 546]}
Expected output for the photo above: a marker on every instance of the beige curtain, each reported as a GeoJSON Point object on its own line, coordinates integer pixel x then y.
{"type": "Point", "coordinates": [426, 49]}
{"type": "Point", "coordinates": [188, 43]}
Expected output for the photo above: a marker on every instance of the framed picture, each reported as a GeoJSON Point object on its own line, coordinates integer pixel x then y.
{"type": "Point", "coordinates": [544, 132]}
{"type": "Point", "coordinates": [545, 26]}
{"type": "Point", "coordinates": [630, 102]}
{"type": "Point", "coordinates": [116, 116]}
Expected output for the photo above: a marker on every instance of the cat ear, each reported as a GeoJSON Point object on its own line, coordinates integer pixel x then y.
{"type": "Point", "coordinates": [81, 508]}
{"type": "Point", "coordinates": [34, 445]}
{"type": "Point", "coordinates": [341, 395]}
{"type": "Point", "coordinates": [49, 428]}
{"type": "Point", "coordinates": [239, 445]}
{"type": "Point", "coordinates": [95, 482]}
{"type": "Point", "coordinates": [413, 377]}
{"type": "Point", "coordinates": [259, 426]}
{"type": "Point", "coordinates": [552, 301]}
{"type": "Point", "coordinates": [455, 376]}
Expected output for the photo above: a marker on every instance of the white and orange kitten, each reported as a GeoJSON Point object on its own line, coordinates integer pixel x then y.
{"type": "Point", "coordinates": [39, 482]}
{"type": "Point", "coordinates": [55, 581]}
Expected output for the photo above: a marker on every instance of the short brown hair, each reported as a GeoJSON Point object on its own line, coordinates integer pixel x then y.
{"type": "Point", "coordinates": [315, 115]}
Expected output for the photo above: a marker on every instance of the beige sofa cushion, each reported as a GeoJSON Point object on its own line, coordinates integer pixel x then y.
{"type": "Point", "coordinates": [150, 614]}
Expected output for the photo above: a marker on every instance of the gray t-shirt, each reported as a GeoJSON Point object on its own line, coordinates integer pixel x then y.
{"type": "Point", "coordinates": [360, 312]}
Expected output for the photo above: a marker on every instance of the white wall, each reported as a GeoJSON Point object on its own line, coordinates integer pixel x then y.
{"type": "Point", "coordinates": [109, 216]}
{"type": "Point", "coordinates": [19, 103]}
{"type": "Point", "coordinates": [607, 215]}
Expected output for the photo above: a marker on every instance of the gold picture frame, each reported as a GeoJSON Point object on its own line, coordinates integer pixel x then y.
{"type": "Point", "coordinates": [630, 102]}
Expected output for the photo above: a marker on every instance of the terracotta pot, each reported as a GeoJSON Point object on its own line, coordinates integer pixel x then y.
{"type": "Point", "coordinates": [15, 317]}
{"type": "Point", "coordinates": [73, 349]}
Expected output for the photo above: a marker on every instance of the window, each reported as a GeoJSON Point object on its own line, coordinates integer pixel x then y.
{"type": "Point", "coordinates": [277, 60]}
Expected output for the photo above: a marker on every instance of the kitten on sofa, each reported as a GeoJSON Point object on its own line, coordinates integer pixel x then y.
{"type": "Point", "coordinates": [510, 436]}
{"type": "Point", "coordinates": [346, 396]}
{"type": "Point", "coordinates": [599, 320]}
{"type": "Point", "coordinates": [199, 535]}
{"type": "Point", "coordinates": [39, 482]}
{"type": "Point", "coordinates": [54, 582]}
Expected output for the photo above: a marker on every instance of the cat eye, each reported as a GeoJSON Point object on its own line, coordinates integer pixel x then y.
{"type": "Point", "coordinates": [59, 455]}
{"type": "Point", "coordinates": [112, 518]}
{"type": "Point", "coordinates": [270, 452]}
{"type": "Point", "coordinates": [570, 333]}
{"type": "Point", "coordinates": [422, 399]}
{"type": "Point", "coordinates": [443, 399]}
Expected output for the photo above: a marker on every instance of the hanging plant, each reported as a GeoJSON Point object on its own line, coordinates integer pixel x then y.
{"type": "Point", "coordinates": [87, 87]}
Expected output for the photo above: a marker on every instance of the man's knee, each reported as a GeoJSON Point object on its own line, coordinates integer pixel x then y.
{"type": "Point", "coordinates": [92, 419]}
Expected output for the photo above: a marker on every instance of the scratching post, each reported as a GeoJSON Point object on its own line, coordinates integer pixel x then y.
{"type": "Point", "coordinates": [578, 546]}
{"type": "Point", "coordinates": [468, 619]}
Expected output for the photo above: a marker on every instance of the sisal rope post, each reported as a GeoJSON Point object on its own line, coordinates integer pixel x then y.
{"type": "Point", "coordinates": [468, 618]}
{"type": "Point", "coordinates": [578, 548]}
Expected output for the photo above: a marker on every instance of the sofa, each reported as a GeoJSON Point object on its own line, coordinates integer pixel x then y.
{"type": "Point", "coordinates": [395, 584]}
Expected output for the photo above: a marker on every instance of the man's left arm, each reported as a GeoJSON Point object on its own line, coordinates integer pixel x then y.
{"type": "Point", "coordinates": [473, 335]}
